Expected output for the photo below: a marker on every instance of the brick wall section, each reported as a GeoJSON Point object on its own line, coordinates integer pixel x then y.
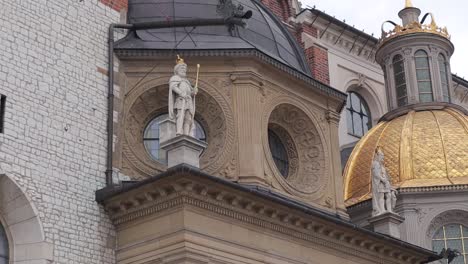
{"type": "Point", "coordinates": [281, 8]}
{"type": "Point", "coordinates": [310, 30]}
{"type": "Point", "coordinates": [317, 58]}
{"type": "Point", "coordinates": [116, 4]}
{"type": "Point", "coordinates": [54, 145]}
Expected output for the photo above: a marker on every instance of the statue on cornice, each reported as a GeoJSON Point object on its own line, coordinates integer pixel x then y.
{"type": "Point", "coordinates": [383, 194]}
{"type": "Point", "coordinates": [182, 99]}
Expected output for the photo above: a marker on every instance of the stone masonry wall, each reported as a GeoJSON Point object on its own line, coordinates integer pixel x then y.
{"type": "Point", "coordinates": [54, 144]}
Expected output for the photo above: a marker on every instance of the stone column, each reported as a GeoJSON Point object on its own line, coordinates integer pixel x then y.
{"type": "Point", "coordinates": [248, 110]}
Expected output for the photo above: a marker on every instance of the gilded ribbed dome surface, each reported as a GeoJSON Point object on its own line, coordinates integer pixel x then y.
{"type": "Point", "coordinates": [422, 149]}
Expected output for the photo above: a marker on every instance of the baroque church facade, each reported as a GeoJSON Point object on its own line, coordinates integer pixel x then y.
{"type": "Point", "coordinates": [292, 105]}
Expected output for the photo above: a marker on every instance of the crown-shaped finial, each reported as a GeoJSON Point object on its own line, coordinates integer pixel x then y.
{"type": "Point", "coordinates": [179, 60]}
{"type": "Point", "coordinates": [408, 4]}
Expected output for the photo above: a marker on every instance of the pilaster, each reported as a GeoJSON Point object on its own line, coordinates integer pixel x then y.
{"type": "Point", "coordinates": [333, 119]}
{"type": "Point", "coordinates": [248, 87]}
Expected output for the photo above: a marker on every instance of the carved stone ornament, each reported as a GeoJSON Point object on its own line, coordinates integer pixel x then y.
{"type": "Point", "coordinates": [214, 113]}
{"type": "Point", "coordinates": [305, 150]}
{"type": "Point", "coordinates": [445, 218]}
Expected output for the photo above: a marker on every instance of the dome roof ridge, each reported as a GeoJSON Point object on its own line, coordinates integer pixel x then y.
{"type": "Point", "coordinates": [264, 32]}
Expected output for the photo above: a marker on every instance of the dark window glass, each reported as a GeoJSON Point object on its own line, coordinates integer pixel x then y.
{"type": "Point", "coordinates": [443, 78]}
{"type": "Point", "coordinates": [2, 112]}
{"type": "Point", "coordinates": [151, 137]}
{"type": "Point", "coordinates": [279, 153]}
{"type": "Point", "coordinates": [423, 75]}
{"type": "Point", "coordinates": [357, 115]}
{"type": "Point", "coordinates": [400, 80]}
{"type": "Point", "coordinates": [4, 248]}
{"type": "Point", "coordinates": [454, 236]}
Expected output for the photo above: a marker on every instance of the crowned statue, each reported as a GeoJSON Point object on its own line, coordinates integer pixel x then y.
{"type": "Point", "coordinates": [383, 194]}
{"type": "Point", "coordinates": [182, 98]}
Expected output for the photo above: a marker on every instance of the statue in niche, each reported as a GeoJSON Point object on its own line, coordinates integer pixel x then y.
{"type": "Point", "coordinates": [182, 98]}
{"type": "Point", "coordinates": [383, 194]}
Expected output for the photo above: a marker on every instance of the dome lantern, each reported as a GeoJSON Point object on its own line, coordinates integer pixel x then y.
{"type": "Point", "coordinates": [415, 57]}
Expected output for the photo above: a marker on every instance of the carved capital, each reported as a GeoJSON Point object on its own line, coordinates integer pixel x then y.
{"type": "Point", "coordinates": [332, 117]}
{"type": "Point", "coordinates": [247, 78]}
{"type": "Point", "coordinates": [407, 52]}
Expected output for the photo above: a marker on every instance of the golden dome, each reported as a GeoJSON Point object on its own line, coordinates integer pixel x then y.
{"type": "Point", "coordinates": [422, 149]}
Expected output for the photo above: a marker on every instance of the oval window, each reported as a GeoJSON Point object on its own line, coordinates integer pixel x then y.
{"type": "Point", "coordinates": [279, 153]}
{"type": "Point", "coordinates": [151, 137]}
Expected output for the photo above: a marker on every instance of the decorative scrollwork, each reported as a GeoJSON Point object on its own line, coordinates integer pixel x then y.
{"type": "Point", "coordinates": [213, 112]}
{"type": "Point", "coordinates": [304, 148]}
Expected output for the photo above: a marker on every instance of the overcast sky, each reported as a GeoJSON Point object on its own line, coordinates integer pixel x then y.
{"type": "Point", "coordinates": [369, 15]}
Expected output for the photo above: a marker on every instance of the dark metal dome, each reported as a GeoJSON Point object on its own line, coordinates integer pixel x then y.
{"type": "Point", "coordinates": [264, 33]}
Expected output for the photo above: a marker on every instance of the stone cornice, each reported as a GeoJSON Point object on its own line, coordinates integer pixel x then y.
{"type": "Point", "coordinates": [188, 187]}
{"type": "Point", "coordinates": [136, 53]}
{"type": "Point", "coordinates": [454, 188]}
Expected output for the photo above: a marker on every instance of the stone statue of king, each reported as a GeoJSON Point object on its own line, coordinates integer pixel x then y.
{"type": "Point", "coordinates": [182, 99]}
{"type": "Point", "coordinates": [383, 194]}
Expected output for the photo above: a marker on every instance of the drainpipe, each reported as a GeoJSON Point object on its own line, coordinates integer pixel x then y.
{"type": "Point", "coordinates": [230, 21]}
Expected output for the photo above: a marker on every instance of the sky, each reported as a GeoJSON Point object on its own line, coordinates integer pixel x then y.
{"type": "Point", "coordinates": [368, 15]}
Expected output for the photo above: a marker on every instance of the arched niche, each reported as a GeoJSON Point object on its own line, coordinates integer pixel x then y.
{"type": "Point", "coordinates": [150, 100]}
{"type": "Point", "coordinates": [22, 225]}
{"type": "Point", "coordinates": [434, 223]}
{"type": "Point", "coordinates": [368, 93]}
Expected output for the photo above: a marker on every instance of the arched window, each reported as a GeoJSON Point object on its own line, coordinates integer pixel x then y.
{"type": "Point", "coordinates": [4, 248]}
{"type": "Point", "coordinates": [400, 80]}
{"type": "Point", "coordinates": [443, 69]}
{"type": "Point", "coordinates": [151, 137]}
{"type": "Point", "coordinates": [279, 153]}
{"type": "Point", "coordinates": [357, 115]}
{"type": "Point", "coordinates": [423, 75]}
{"type": "Point", "coordinates": [454, 236]}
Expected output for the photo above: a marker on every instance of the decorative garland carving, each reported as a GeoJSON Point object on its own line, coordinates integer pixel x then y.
{"type": "Point", "coordinates": [306, 151]}
{"type": "Point", "coordinates": [148, 100]}
{"type": "Point", "coordinates": [448, 217]}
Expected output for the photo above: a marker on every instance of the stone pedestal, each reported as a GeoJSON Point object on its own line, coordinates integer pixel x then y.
{"type": "Point", "coordinates": [387, 224]}
{"type": "Point", "coordinates": [180, 149]}
{"type": "Point", "coordinates": [183, 150]}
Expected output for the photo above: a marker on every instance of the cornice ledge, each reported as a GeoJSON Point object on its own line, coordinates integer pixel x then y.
{"type": "Point", "coordinates": [186, 189]}
{"type": "Point", "coordinates": [315, 84]}
{"type": "Point", "coordinates": [442, 188]}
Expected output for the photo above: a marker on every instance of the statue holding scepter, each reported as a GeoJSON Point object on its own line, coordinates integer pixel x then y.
{"type": "Point", "coordinates": [383, 195]}
{"type": "Point", "coordinates": [182, 98]}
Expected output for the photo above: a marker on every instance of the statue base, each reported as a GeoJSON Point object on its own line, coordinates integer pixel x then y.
{"type": "Point", "coordinates": [183, 150]}
{"type": "Point", "coordinates": [387, 224]}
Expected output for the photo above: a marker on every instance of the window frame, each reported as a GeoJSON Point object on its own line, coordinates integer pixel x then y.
{"type": "Point", "coordinates": [463, 236]}
{"type": "Point", "coordinates": [2, 113]}
{"type": "Point", "coordinates": [272, 134]}
{"type": "Point", "coordinates": [420, 81]}
{"type": "Point", "coordinates": [5, 237]}
{"type": "Point", "coordinates": [398, 58]}
{"type": "Point", "coordinates": [163, 116]}
{"type": "Point", "coordinates": [349, 109]}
